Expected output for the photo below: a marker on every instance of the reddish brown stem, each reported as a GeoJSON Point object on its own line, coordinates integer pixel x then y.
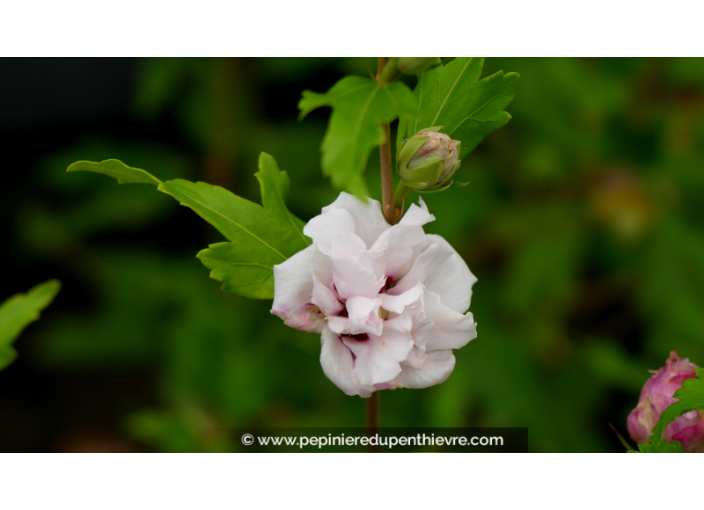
{"type": "Point", "coordinates": [387, 199]}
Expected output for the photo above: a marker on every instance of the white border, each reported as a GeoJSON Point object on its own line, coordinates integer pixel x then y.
{"type": "Point", "coordinates": [348, 28]}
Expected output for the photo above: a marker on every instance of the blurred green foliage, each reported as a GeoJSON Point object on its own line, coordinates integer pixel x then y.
{"type": "Point", "coordinates": [19, 311]}
{"type": "Point", "coordinates": [582, 221]}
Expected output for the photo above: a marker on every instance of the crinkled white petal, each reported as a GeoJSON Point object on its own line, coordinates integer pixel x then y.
{"type": "Point", "coordinates": [392, 254]}
{"type": "Point", "coordinates": [437, 367]}
{"type": "Point", "coordinates": [368, 218]}
{"type": "Point", "coordinates": [324, 298]}
{"type": "Point", "coordinates": [378, 359]}
{"type": "Point", "coordinates": [338, 365]}
{"type": "Point", "coordinates": [363, 316]}
{"type": "Point", "coordinates": [451, 329]}
{"type": "Point", "coordinates": [353, 278]}
{"type": "Point", "coordinates": [440, 268]}
{"type": "Point", "coordinates": [325, 227]}
{"type": "Point", "coordinates": [417, 215]}
{"type": "Point", "coordinates": [399, 303]}
{"type": "Point", "coordinates": [451, 280]}
{"type": "Point", "coordinates": [435, 254]}
{"type": "Point", "coordinates": [293, 289]}
{"type": "Point", "coordinates": [348, 245]}
{"type": "Point", "coordinates": [416, 358]}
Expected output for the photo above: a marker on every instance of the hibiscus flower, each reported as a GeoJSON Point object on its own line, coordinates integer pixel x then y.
{"type": "Point", "coordinates": [389, 301]}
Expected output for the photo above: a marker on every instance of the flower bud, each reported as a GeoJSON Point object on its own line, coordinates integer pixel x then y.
{"type": "Point", "coordinates": [656, 396]}
{"type": "Point", "coordinates": [427, 160]}
{"type": "Point", "coordinates": [416, 65]}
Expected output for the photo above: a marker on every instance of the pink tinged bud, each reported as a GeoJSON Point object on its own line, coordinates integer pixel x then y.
{"type": "Point", "coordinates": [428, 159]}
{"type": "Point", "coordinates": [656, 396]}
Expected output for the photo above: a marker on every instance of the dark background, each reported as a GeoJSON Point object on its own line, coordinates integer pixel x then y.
{"type": "Point", "coordinates": [583, 222]}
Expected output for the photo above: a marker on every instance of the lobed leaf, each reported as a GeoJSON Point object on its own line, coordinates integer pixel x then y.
{"type": "Point", "coordinates": [453, 96]}
{"type": "Point", "coordinates": [260, 236]}
{"type": "Point", "coordinates": [19, 311]}
{"type": "Point", "coordinates": [360, 107]}
{"type": "Point", "coordinates": [117, 169]}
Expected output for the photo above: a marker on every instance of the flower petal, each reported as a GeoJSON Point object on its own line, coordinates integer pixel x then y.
{"type": "Point", "coordinates": [417, 215]}
{"type": "Point", "coordinates": [363, 316]}
{"type": "Point", "coordinates": [451, 329]}
{"type": "Point", "coordinates": [293, 289]}
{"type": "Point", "coordinates": [440, 268]}
{"type": "Point", "coordinates": [399, 303]}
{"type": "Point", "coordinates": [324, 298]}
{"type": "Point", "coordinates": [437, 367]}
{"type": "Point", "coordinates": [348, 245]}
{"type": "Point", "coordinates": [416, 358]}
{"type": "Point", "coordinates": [377, 359]}
{"type": "Point", "coordinates": [452, 280]}
{"type": "Point", "coordinates": [325, 227]}
{"type": "Point", "coordinates": [392, 253]}
{"type": "Point", "coordinates": [338, 365]}
{"type": "Point", "coordinates": [353, 278]}
{"type": "Point", "coordinates": [368, 218]}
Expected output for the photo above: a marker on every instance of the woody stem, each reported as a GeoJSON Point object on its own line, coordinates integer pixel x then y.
{"type": "Point", "coordinates": [387, 185]}
{"type": "Point", "coordinates": [387, 200]}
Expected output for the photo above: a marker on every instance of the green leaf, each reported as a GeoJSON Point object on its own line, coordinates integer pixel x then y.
{"type": "Point", "coordinates": [260, 236]}
{"type": "Point", "coordinates": [20, 310]}
{"type": "Point", "coordinates": [691, 397]}
{"type": "Point", "coordinates": [360, 107]}
{"type": "Point", "coordinates": [662, 447]}
{"type": "Point", "coordinates": [117, 169]}
{"type": "Point", "coordinates": [453, 96]}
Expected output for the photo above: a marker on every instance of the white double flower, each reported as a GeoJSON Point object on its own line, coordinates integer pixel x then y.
{"type": "Point", "coordinates": [389, 301]}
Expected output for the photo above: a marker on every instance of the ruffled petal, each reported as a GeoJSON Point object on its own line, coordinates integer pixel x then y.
{"type": "Point", "coordinates": [353, 278]}
{"type": "Point", "coordinates": [440, 268]}
{"type": "Point", "coordinates": [324, 298]}
{"type": "Point", "coordinates": [368, 218]}
{"type": "Point", "coordinates": [348, 245]}
{"type": "Point", "coordinates": [417, 215]}
{"type": "Point", "coordinates": [452, 280]}
{"type": "Point", "coordinates": [437, 367]}
{"type": "Point", "coordinates": [416, 358]}
{"type": "Point", "coordinates": [377, 359]}
{"type": "Point", "coordinates": [451, 329]}
{"type": "Point", "coordinates": [363, 316]}
{"type": "Point", "coordinates": [325, 227]}
{"type": "Point", "coordinates": [293, 289]}
{"type": "Point", "coordinates": [392, 253]}
{"type": "Point", "coordinates": [338, 365]}
{"type": "Point", "coordinates": [399, 303]}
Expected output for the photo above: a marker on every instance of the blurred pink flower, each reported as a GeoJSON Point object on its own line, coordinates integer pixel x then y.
{"type": "Point", "coordinates": [657, 396]}
{"type": "Point", "coordinates": [389, 301]}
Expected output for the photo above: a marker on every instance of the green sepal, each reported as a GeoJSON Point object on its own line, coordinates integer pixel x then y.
{"type": "Point", "coordinates": [452, 184]}
{"type": "Point", "coordinates": [452, 172]}
{"type": "Point", "coordinates": [408, 149]}
{"type": "Point", "coordinates": [428, 174]}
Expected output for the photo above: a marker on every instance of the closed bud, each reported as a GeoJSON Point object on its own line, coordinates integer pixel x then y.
{"type": "Point", "coordinates": [416, 65]}
{"type": "Point", "coordinates": [657, 395]}
{"type": "Point", "coordinates": [427, 160]}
